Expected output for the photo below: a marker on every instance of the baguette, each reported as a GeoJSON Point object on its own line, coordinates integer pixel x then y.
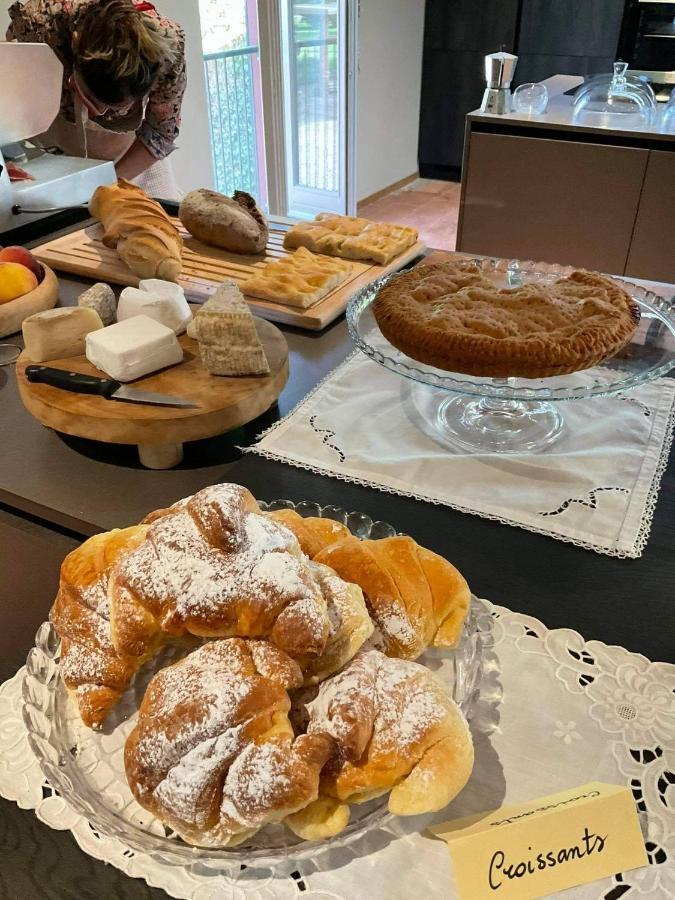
{"type": "Point", "coordinates": [138, 228]}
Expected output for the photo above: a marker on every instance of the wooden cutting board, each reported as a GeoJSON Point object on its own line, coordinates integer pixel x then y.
{"type": "Point", "coordinates": [160, 431]}
{"type": "Point", "coordinates": [204, 268]}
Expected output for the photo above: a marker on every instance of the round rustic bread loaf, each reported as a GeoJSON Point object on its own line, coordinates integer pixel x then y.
{"type": "Point", "coordinates": [231, 223]}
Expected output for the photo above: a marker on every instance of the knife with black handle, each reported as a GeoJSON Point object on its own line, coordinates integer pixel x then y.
{"type": "Point", "coordinates": [107, 388]}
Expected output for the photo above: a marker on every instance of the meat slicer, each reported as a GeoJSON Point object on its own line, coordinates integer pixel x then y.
{"type": "Point", "coordinates": [31, 77]}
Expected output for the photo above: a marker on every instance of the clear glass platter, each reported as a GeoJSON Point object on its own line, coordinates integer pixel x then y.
{"type": "Point", "coordinates": [516, 414]}
{"type": "Point", "coordinates": [86, 767]}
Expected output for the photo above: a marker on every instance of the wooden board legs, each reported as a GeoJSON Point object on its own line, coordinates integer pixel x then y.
{"type": "Point", "coordinates": [160, 456]}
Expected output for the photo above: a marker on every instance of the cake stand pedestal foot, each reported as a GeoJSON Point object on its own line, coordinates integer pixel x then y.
{"type": "Point", "coordinates": [160, 456]}
{"type": "Point", "coordinates": [485, 425]}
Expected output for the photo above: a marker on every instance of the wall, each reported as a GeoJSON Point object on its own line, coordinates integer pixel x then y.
{"type": "Point", "coordinates": [192, 160]}
{"type": "Point", "coordinates": [389, 79]}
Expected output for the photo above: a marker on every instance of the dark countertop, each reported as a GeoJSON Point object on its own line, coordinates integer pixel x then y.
{"type": "Point", "coordinates": [54, 490]}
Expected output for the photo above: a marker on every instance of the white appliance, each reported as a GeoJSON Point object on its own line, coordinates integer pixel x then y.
{"type": "Point", "coordinates": [31, 77]}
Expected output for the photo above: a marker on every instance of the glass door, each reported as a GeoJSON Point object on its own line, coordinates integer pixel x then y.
{"type": "Point", "coordinates": [314, 56]}
{"type": "Point", "coordinates": [234, 96]}
{"type": "Point", "coordinates": [280, 101]}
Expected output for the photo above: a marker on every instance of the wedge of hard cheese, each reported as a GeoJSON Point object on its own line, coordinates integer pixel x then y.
{"type": "Point", "coordinates": [59, 333]}
{"type": "Point", "coordinates": [228, 340]}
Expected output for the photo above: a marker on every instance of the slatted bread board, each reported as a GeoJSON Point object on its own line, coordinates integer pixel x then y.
{"type": "Point", "coordinates": [204, 268]}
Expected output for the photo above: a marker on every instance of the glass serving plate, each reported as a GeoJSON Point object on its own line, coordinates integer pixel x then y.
{"type": "Point", "coordinates": [87, 768]}
{"type": "Point", "coordinates": [516, 414]}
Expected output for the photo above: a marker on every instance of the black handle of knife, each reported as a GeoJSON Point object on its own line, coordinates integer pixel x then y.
{"type": "Point", "coordinates": [71, 381]}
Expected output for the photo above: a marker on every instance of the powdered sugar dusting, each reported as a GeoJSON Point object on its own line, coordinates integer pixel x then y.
{"type": "Point", "coordinates": [387, 703]}
{"type": "Point", "coordinates": [393, 630]}
{"type": "Point", "coordinates": [199, 756]}
{"type": "Point", "coordinates": [212, 560]}
{"type": "Point", "coordinates": [256, 782]}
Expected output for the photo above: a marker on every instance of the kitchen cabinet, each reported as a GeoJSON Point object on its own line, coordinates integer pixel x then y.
{"type": "Point", "coordinates": [456, 40]}
{"type": "Point", "coordinates": [441, 140]}
{"type": "Point", "coordinates": [570, 27]}
{"type": "Point", "coordinates": [551, 200]}
{"type": "Point", "coordinates": [652, 250]}
{"type": "Point", "coordinates": [576, 37]}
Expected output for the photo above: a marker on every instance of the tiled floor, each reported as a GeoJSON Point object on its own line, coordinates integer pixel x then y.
{"type": "Point", "coordinates": [430, 206]}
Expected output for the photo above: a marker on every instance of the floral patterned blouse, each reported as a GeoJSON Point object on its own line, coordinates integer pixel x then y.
{"type": "Point", "coordinates": [54, 21]}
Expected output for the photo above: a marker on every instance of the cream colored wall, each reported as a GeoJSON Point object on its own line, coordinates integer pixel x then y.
{"type": "Point", "coordinates": [192, 160]}
{"type": "Point", "coordinates": [389, 84]}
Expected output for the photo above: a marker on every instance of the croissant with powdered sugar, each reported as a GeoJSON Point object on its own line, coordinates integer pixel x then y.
{"type": "Point", "coordinates": [213, 754]}
{"type": "Point", "coordinates": [92, 670]}
{"type": "Point", "coordinates": [397, 731]}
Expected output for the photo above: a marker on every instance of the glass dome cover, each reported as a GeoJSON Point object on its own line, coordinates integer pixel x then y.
{"type": "Point", "coordinates": [615, 94]}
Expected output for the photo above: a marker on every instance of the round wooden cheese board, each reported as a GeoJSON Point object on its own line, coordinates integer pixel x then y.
{"type": "Point", "coordinates": [160, 431]}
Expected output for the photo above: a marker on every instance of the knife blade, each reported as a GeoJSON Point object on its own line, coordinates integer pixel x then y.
{"type": "Point", "coordinates": [107, 388]}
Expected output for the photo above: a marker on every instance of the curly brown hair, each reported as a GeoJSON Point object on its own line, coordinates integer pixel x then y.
{"type": "Point", "coordinates": [120, 50]}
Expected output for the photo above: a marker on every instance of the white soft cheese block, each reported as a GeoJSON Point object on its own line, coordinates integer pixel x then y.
{"type": "Point", "coordinates": [161, 288]}
{"type": "Point", "coordinates": [59, 333]}
{"type": "Point", "coordinates": [133, 348]}
{"type": "Point", "coordinates": [172, 311]}
{"type": "Point", "coordinates": [171, 290]}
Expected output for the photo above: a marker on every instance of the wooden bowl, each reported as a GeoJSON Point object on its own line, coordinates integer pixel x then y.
{"type": "Point", "coordinates": [45, 296]}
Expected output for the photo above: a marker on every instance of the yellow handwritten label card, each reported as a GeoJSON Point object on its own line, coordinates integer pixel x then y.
{"type": "Point", "coordinates": [547, 845]}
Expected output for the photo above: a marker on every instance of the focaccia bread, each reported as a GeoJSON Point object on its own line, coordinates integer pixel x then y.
{"type": "Point", "coordinates": [300, 279]}
{"type": "Point", "coordinates": [397, 730]}
{"type": "Point", "coordinates": [452, 316]}
{"type": "Point", "coordinates": [213, 753]}
{"type": "Point", "coordinates": [351, 237]}
{"type": "Point", "coordinates": [138, 228]}
{"type": "Point", "coordinates": [228, 341]}
{"type": "Point", "coordinates": [232, 223]}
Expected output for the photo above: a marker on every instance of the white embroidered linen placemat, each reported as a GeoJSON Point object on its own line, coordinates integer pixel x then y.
{"type": "Point", "coordinates": [596, 486]}
{"type": "Point", "coordinates": [553, 712]}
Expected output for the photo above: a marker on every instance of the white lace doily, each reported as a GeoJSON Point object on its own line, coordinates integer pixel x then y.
{"type": "Point", "coordinates": [554, 712]}
{"type": "Point", "coordinates": [596, 487]}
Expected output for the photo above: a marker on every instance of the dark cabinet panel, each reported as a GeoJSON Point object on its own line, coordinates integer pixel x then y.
{"type": "Point", "coordinates": [551, 200]}
{"type": "Point", "coordinates": [569, 37]}
{"type": "Point", "coordinates": [467, 25]}
{"type": "Point", "coordinates": [652, 252]}
{"type": "Point", "coordinates": [536, 66]}
{"type": "Point", "coordinates": [570, 27]}
{"type": "Point", "coordinates": [452, 84]}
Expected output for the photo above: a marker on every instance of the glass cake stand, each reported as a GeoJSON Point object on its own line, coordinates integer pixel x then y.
{"type": "Point", "coordinates": [86, 767]}
{"type": "Point", "coordinates": [512, 415]}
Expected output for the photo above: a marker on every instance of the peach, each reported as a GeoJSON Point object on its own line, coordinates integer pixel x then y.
{"type": "Point", "coordinates": [23, 257]}
{"type": "Point", "coordinates": [15, 281]}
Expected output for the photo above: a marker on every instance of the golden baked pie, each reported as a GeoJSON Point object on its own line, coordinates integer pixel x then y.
{"type": "Point", "coordinates": [452, 316]}
{"type": "Point", "coordinates": [351, 237]}
{"type": "Point", "coordinates": [301, 279]}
